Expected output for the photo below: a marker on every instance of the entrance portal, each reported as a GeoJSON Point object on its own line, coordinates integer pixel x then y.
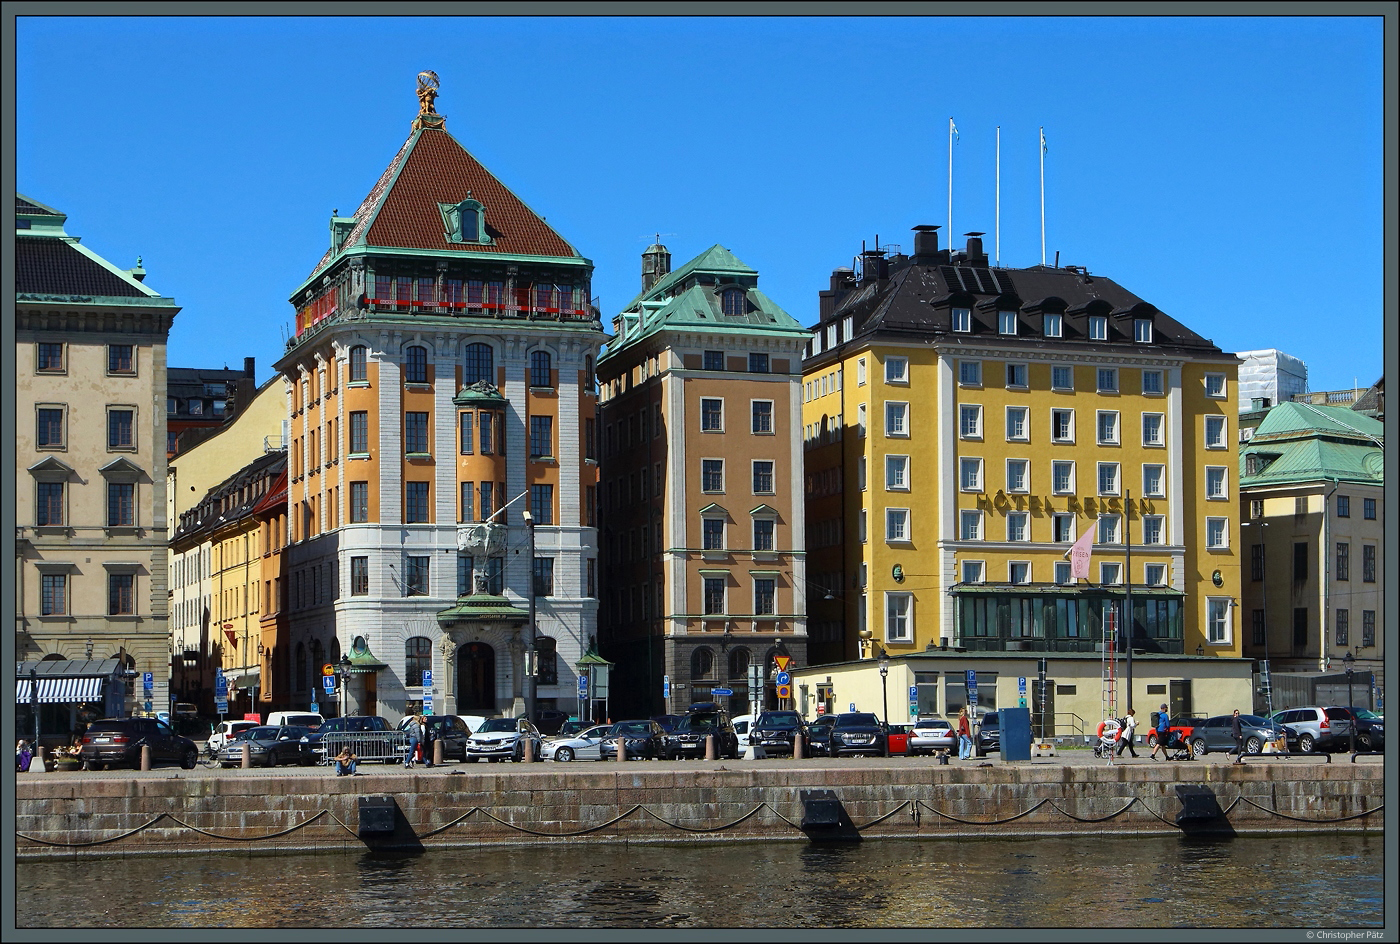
{"type": "Point", "coordinates": [476, 678]}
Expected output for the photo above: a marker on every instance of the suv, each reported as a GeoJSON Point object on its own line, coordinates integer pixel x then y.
{"type": "Point", "coordinates": [451, 730]}
{"type": "Point", "coordinates": [774, 732]}
{"type": "Point", "coordinates": [119, 741]}
{"type": "Point", "coordinates": [988, 740]}
{"type": "Point", "coordinates": [1319, 729]}
{"type": "Point", "coordinates": [1370, 729]}
{"type": "Point", "coordinates": [858, 732]}
{"type": "Point", "coordinates": [703, 719]}
{"type": "Point", "coordinates": [503, 739]}
{"type": "Point", "coordinates": [224, 732]}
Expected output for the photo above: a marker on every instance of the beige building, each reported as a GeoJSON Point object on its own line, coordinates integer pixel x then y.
{"type": "Point", "coordinates": [90, 454]}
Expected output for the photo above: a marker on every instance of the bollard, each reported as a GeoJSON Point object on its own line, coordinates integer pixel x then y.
{"type": "Point", "coordinates": [799, 747]}
{"type": "Point", "coordinates": [146, 756]}
{"type": "Point", "coordinates": [247, 755]}
{"type": "Point", "coordinates": [527, 753]}
{"type": "Point", "coordinates": [437, 753]}
{"type": "Point", "coordinates": [711, 752]}
{"type": "Point", "coordinates": [621, 749]}
{"type": "Point", "coordinates": [40, 760]}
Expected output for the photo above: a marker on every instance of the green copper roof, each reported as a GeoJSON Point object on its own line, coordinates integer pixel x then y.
{"type": "Point", "coordinates": [482, 607]}
{"type": "Point", "coordinates": [363, 661]}
{"type": "Point", "coordinates": [591, 657]}
{"type": "Point", "coordinates": [480, 394]}
{"type": "Point", "coordinates": [1300, 442]}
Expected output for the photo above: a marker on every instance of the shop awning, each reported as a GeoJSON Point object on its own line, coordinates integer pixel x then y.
{"type": "Point", "coordinates": [59, 691]}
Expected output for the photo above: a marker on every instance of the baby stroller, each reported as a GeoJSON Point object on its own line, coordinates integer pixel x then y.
{"type": "Point", "coordinates": [1176, 748]}
{"type": "Point", "coordinates": [1107, 737]}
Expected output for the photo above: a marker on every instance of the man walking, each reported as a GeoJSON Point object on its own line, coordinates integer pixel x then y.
{"type": "Point", "coordinates": [1125, 738]}
{"type": "Point", "coordinates": [1164, 733]}
{"type": "Point", "coordinates": [1237, 732]}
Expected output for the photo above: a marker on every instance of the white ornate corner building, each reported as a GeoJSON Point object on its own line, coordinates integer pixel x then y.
{"type": "Point", "coordinates": [441, 463]}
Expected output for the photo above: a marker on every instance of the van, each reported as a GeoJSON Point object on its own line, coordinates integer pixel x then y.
{"type": "Point", "coordinates": [301, 719]}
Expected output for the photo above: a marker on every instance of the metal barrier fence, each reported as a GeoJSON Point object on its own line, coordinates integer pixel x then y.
{"type": "Point", "coordinates": [384, 746]}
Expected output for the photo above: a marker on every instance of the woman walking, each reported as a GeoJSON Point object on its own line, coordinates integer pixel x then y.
{"type": "Point", "coordinates": [964, 735]}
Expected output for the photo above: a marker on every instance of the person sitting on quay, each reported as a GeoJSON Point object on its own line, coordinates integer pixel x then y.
{"type": "Point", "coordinates": [345, 762]}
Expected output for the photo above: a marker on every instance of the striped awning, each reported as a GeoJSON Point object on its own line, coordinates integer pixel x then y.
{"type": "Point", "coordinates": [59, 691]}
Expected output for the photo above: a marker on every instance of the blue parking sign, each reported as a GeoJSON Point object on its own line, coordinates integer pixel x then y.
{"type": "Point", "coordinates": [148, 682]}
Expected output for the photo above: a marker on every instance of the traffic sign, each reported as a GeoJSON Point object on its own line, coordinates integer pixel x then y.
{"type": "Point", "coordinates": [665, 686]}
{"type": "Point", "coordinates": [327, 669]}
{"type": "Point", "coordinates": [583, 686]}
{"type": "Point", "coordinates": [148, 682]}
{"type": "Point", "coordinates": [783, 662]}
{"type": "Point", "coordinates": [1021, 684]}
{"type": "Point", "coordinates": [853, 706]}
{"type": "Point", "coordinates": [329, 683]}
{"type": "Point", "coordinates": [427, 678]}
{"type": "Point", "coordinates": [913, 709]}
{"type": "Point", "coordinates": [721, 691]}
{"type": "Point", "coordinates": [148, 704]}
{"type": "Point", "coordinates": [220, 686]}
{"type": "Point", "coordinates": [315, 708]}
{"type": "Point", "coordinates": [1022, 702]}
{"type": "Point", "coordinates": [913, 693]}
{"type": "Point", "coordinates": [427, 703]}
{"type": "Point", "coordinates": [782, 678]}
{"type": "Point", "coordinates": [221, 705]}
{"type": "Point", "coordinates": [972, 687]}
{"type": "Point", "coordinates": [784, 690]}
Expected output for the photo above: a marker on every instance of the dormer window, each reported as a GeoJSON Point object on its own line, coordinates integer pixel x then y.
{"type": "Point", "coordinates": [1142, 330]}
{"type": "Point", "coordinates": [464, 222]}
{"type": "Point", "coordinates": [1054, 326]}
{"type": "Point", "coordinates": [962, 320]}
{"type": "Point", "coordinates": [1098, 327]}
{"type": "Point", "coordinates": [733, 301]}
{"type": "Point", "coordinates": [1006, 322]}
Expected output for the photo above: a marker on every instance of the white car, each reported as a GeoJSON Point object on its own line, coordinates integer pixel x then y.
{"type": "Point", "coordinates": [225, 732]}
{"type": "Point", "coordinates": [742, 724]}
{"type": "Point", "coordinates": [503, 739]}
{"type": "Point", "coordinates": [932, 734]}
{"type": "Point", "coordinates": [586, 745]}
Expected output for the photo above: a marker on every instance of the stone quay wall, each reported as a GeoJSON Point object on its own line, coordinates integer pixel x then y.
{"type": "Point", "coordinates": [87, 815]}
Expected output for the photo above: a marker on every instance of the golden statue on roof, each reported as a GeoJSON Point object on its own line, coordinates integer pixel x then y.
{"type": "Point", "coordinates": [427, 91]}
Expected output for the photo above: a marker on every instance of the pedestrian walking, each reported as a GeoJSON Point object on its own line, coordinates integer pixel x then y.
{"type": "Point", "coordinates": [415, 737]}
{"type": "Point", "coordinates": [1125, 735]}
{"type": "Point", "coordinates": [1164, 733]}
{"type": "Point", "coordinates": [429, 730]}
{"type": "Point", "coordinates": [1237, 732]}
{"type": "Point", "coordinates": [964, 735]}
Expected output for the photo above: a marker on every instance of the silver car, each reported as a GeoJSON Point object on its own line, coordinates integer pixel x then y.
{"type": "Point", "coordinates": [932, 734]}
{"type": "Point", "coordinates": [503, 739]}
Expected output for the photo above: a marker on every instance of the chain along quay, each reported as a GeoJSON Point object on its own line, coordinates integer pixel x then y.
{"type": "Point", "coordinates": [169, 811]}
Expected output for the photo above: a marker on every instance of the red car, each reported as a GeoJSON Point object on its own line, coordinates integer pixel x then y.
{"type": "Point", "coordinates": [1179, 726]}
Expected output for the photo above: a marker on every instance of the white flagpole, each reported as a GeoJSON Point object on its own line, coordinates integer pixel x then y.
{"type": "Point", "coordinates": [1042, 195]}
{"type": "Point", "coordinates": [998, 227]}
{"type": "Point", "coordinates": [950, 182]}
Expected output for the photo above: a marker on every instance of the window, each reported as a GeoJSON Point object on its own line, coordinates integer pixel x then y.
{"type": "Point", "coordinates": [860, 372]}
{"type": "Point", "coordinates": [1017, 375]}
{"type": "Point", "coordinates": [1098, 328]}
{"type": "Point", "coordinates": [50, 357]}
{"type": "Point", "coordinates": [121, 505]}
{"type": "Point", "coordinates": [359, 576]}
{"type": "Point", "coordinates": [1063, 525]}
{"type": "Point", "coordinates": [1300, 627]}
{"type": "Point", "coordinates": [758, 363]}
{"type": "Point", "coordinates": [962, 320]}
{"type": "Point", "coordinates": [1343, 622]}
{"type": "Point", "coordinates": [541, 437]}
{"type": "Point", "coordinates": [1108, 478]}
{"type": "Point", "coordinates": [1054, 325]}
{"type": "Point", "coordinates": [1108, 379]}
{"type": "Point", "coordinates": [541, 369]}
{"type": "Point", "coordinates": [1217, 621]}
{"type": "Point", "coordinates": [417, 659]}
{"type": "Point", "coordinates": [970, 421]}
{"type": "Point", "coordinates": [1151, 382]}
{"type": "Point", "coordinates": [714, 595]}
{"type": "Point", "coordinates": [1062, 426]}
{"type": "Point", "coordinates": [49, 510]}
{"type": "Point", "coordinates": [899, 617]}
{"type": "Point", "coordinates": [897, 524]}
{"type": "Point", "coordinates": [1018, 526]}
{"type": "Point", "coordinates": [1110, 573]}
{"type": "Point", "coordinates": [416, 584]}
{"type": "Point", "coordinates": [1368, 628]}
{"type": "Point", "coordinates": [764, 596]}
{"type": "Point", "coordinates": [121, 433]}
{"type": "Point", "coordinates": [860, 472]}
{"type": "Point", "coordinates": [120, 359]}
{"type": "Point", "coordinates": [972, 571]}
{"type": "Point", "coordinates": [1152, 429]}
{"type": "Point", "coordinates": [478, 364]}
{"type": "Point", "coordinates": [1343, 506]}
{"type": "Point", "coordinates": [714, 360]}
{"type": "Point", "coordinates": [897, 370]}
{"type": "Point", "coordinates": [544, 576]}
{"type": "Point", "coordinates": [1215, 432]}
{"type": "Point", "coordinates": [415, 368]}
{"type": "Point", "coordinates": [896, 418]}
{"type": "Point", "coordinates": [732, 300]}
{"type": "Point", "coordinates": [1368, 509]}
{"type": "Point", "coordinates": [762, 414]}
{"type": "Point", "coordinates": [1062, 378]}
{"type": "Point", "coordinates": [711, 415]}
{"type": "Point", "coordinates": [1300, 562]}
{"type": "Point", "coordinates": [1018, 424]}
{"type": "Point", "coordinates": [1108, 529]}
{"type": "Point", "coordinates": [1063, 573]}
{"type": "Point", "coordinates": [359, 370]}
{"type": "Point", "coordinates": [542, 504]}
{"type": "Point", "coordinates": [970, 474]}
{"type": "Point", "coordinates": [763, 477]}
{"type": "Point", "coordinates": [464, 434]}
{"type": "Point", "coordinates": [490, 433]}
{"type": "Point", "coordinates": [1368, 563]}
{"type": "Point", "coordinates": [1215, 386]}
{"type": "Point", "coordinates": [359, 432]}
{"type": "Point", "coordinates": [1216, 536]}
{"type": "Point", "coordinates": [970, 525]}
{"type": "Point", "coordinates": [713, 529]}
{"type": "Point", "coordinates": [1257, 627]}
{"type": "Point", "coordinates": [763, 529]}
{"type": "Point", "coordinates": [897, 473]}
{"type": "Point", "coordinates": [1142, 330]}
{"type": "Point", "coordinates": [1152, 481]}
{"type": "Point", "coordinates": [53, 597]}
{"type": "Point", "coordinates": [1256, 562]}
{"type": "Point", "coordinates": [1018, 475]}
{"type": "Point", "coordinates": [415, 503]}
{"type": "Point", "coordinates": [1108, 427]}
{"type": "Point", "coordinates": [49, 433]}
{"type": "Point", "coordinates": [415, 434]}
{"type": "Point", "coordinates": [1006, 322]}
{"type": "Point", "coordinates": [970, 373]}
{"type": "Point", "coordinates": [121, 594]}
{"type": "Point", "coordinates": [1215, 482]}
{"type": "Point", "coordinates": [1152, 529]}
{"type": "Point", "coordinates": [359, 502]}
{"type": "Point", "coordinates": [1062, 474]}
{"type": "Point", "coordinates": [712, 475]}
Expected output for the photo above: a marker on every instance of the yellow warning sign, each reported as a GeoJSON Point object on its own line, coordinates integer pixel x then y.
{"type": "Point", "coordinates": [783, 662]}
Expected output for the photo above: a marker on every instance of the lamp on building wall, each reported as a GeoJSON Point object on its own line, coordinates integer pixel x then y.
{"type": "Point", "coordinates": [1200, 650]}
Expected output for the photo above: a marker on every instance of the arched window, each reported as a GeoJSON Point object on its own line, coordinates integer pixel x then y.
{"type": "Point", "coordinates": [547, 660]}
{"type": "Point", "coordinates": [540, 374]}
{"type": "Point", "coordinates": [479, 364]}
{"type": "Point", "coordinates": [702, 663]}
{"type": "Point", "coordinates": [415, 367]}
{"type": "Point", "coordinates": [739, 664]}
{"type": "Point", "coordinates": [417, 659]}
{"type": "Point", "coordinates": [359, 370]}
{"type": "Point", "coordinates": [733, 301]}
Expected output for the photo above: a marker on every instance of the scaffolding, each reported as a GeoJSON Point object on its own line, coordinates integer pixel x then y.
{"type": "Point", "coordinates": [1109, 672]}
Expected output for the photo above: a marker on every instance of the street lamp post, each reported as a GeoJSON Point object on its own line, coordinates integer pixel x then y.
{"type": "Point", "coordinates": [884, 684]}
{"type": "Point", "coordinates": [1349, 662]}
{"type": "Point", "coordinates": [530, 653]}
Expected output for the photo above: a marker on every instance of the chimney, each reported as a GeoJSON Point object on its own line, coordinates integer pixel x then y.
{"type": "Point", "coordinates": [248, 367]}
{"type": "Point", "coordinates": [975, 255]}
{"type": "Point", "coordinates": [925, 245]}
{"type": "Point", "coordinates": [656, 264]}
{"type": "Point", "coordinates": [873, 266]}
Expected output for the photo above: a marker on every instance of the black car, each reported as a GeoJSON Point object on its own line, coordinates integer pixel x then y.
{"type": "Point", "coordinates": [374, 733]}
{"type": "Point", "coordinates": [451, 731]}
{"type": "Point", "coordinates": [668, 722]}
{"type": "Point", "coordinates": [270, 745]}
{"type": "Point", "coordinates": [550, 720]}
{"type": "Point", "coordinates": [819, 735]}
{"type": "Point", "coordinates": [1370, 730]}
{"type": "Point", "coordinates": [774, 732]}
{"type": "Point", "coordinates": [112, 741]}
{"type": "Point", "coordinates": [703, 719]}
{"type": "Point", "coordinates": [858, 732]}
{"type": "Point", "coordinates": [643, 740]}
{"type": "Point", "coordinates": [988, 740]}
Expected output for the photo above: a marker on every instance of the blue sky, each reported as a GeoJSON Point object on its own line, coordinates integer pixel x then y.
{"type": "Point", "coordinates": [1225, 169]}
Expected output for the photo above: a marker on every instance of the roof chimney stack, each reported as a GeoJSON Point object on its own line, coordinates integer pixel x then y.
{"type": "Point", "coordinates": [975, 255]}
{"type": "Point", "coordinates": [925, 245]}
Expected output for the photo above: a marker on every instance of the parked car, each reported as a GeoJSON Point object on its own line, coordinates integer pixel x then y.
{"type": "Point", "coordinates": [668, 722]}
{"type": "Point", "coordinates": [571, 728]}
{"type": "Point", "coordinates": [306, 719]}
{"type": "Point", "coordinates": [270, 745]}
{"type": "Point", "coordinates": [370, 731]}
{"type": "Point", "coordinates": [988, 739]}
{"type": "Point", "coordinates": [451, 730]}
{"type": "Point", "coordinates": [774, 732]}
{"type": "Point", "coordinates": [585, 745]}
{"type": "Point", "coordinates": [743, 725]}
{"type": "Point", "coordinates": [1215, 734]}
{"type": "Point", "coordinates": [473, 722]}
{"type": "Point", "coordinates": [549, 720]}
{"type": "Point", "coordinates": [1318, 729]}
{"type": "Point", "coordinates": [224, 732]}
{"type": "Point", "coordinates": [111, 741]}
{"type": "Point", "coordinates": [932, 734]}
{"type": "Point", "coordinates": [702, 720]}
{"type": "Point", "coordinates": [643, 739]}
{"type": "Point", "coordinates": [1370, 729]}
{"type": "Point", "coordinates": [504, 739]}
{"type": "Point", "coordinates": [858, 732]}
{"type": "Point", "coordinates": [1181, 727]}
{"type": "Point", "coordinates": [897, 739]}
{"type": "Point", "coordinates": [819, 735]}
